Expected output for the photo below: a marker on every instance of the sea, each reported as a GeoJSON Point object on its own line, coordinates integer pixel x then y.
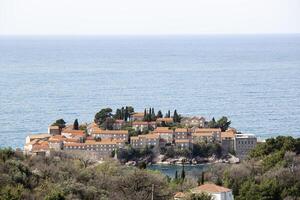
{"type": "Point", "coordinates": [254, 80]}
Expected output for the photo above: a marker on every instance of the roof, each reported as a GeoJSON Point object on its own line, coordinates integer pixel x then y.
{"type": "Point", "coordinates": [41, 145]}
{"type": "Point", "coordinates": [179, 195]}
{"type": "Point", "coordinates": [210, 188]}
{"type": "Point", "coordinates": [73, 132]}
{"type": "Point", "coordinates": [160, 130]}
{"type": "Point", "coordinates": [57, 138]}
{"type": "Point", "coordinates": [53, 127]}
{"type": "Point", "coordinates": [100, 131]}
{"type": "Point", "coordinates": [39, 136]}
{"type": "Point", "coordinates": [185, 130]}
{"type": "Point", "coordinates": [71, 140]}
{"type": "Point", "coordinates": [139, 114]}
{"type": "Point", "coordinates": [227, 134]}
{"type": "Point", "coordinates": [165, 119]}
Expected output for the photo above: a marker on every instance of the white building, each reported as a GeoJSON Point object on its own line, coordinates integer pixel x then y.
{"type": "Point", "coordinates": [217, 192]}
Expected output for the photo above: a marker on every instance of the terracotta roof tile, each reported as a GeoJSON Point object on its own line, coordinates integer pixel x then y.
{"type": "Point", "coordinates": [210, 188]}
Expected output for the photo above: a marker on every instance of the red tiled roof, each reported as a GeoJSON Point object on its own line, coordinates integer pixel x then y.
{"type": "Point", "coordinates": [210, 188]}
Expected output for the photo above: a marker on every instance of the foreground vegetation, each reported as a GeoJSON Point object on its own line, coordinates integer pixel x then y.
{"type": "Point", "coordinates": [272, 172]}
{"type": "Point", "coordinates": [58, 178]}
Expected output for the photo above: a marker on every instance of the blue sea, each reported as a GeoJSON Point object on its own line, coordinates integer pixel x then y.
{"type": "Point", "coordinates": [252, 79]}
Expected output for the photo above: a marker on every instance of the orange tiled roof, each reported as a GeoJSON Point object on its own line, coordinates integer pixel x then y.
{"type": "Point", "coordinates": [41, 145]}
{"type": "Point", "coordinates": [163, 130]}
{"type": "Point", "coordinates": [71, 140]}
{"type": "Point", "coordinates": [139, 114]}
{"type": "Point", "coordinates": [184, 130]}
{"type": "Point", "coordinates": [179, 195]}
{"type": "Point", "coordinates": [169, 119]}
{"type": "Point", "coordinates": [73, 132]}
{"type": "Point", "coordinates": [100, 131]}
{"type": "Point", "coordinates": [227, 134]}
{"type": "Point", "coordinates": [57, 138]}
{"type": "Point", "coordinates": [210, 188]}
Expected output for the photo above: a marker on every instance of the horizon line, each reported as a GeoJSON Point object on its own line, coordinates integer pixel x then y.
{"type": "Point", "coordinates": [132, 35]}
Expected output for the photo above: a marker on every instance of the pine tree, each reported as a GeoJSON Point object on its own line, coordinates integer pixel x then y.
{"type": "Point", "coordinates": [76, 125]}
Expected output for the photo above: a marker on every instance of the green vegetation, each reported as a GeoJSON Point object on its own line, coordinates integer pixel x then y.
{"type": "Point", "coordinates": [223, 123]}
{"type": "Point", "coordinates": [59, 177]}
{"type": "Point", "coordinates": [272, 172]}
{"type": "Point", "coordinates": [76, 125]}
{"type": "Point", "coordinates": [60, 123]}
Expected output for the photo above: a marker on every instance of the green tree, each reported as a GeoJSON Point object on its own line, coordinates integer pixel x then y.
{"type": "Point", "coordinates": [223, 123]}
{"type": "Point", "coordinates": [101, 116]}
{"type": "Point", "coordinates": [118, 114]}
{"type": "Point", "coordinates": [159, 114]}
{"type": "Point", "coordinates": [201, 196]}
{"type": "Point", "coordinates": [60, 123]}
{"type": "Point", "coordinates": [108, 123]}
{"type": "Point", "coordinates": [212, 123]}
{"type": "Point", "coordinates": [153, 117]}
{"type": "Point", "coordinates": [55, 195]}
{"type": "Point", "coordinates": [176, 117]}
{"type": "Point", "coordinates": [182, 173]}
{"type": "Point", "coordinates": [76, 125]}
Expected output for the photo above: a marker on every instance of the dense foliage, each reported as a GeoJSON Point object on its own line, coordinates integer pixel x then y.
{"type": "Point", "coordinates": [57, 178]}
{"type": "Point", "coordinates": [272, 172]}
{"type": "Point", "coordinates": [223, 123]}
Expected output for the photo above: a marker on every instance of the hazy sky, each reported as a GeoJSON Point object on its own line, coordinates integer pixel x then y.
{"type": "Point", "coordinates": [148, 17]}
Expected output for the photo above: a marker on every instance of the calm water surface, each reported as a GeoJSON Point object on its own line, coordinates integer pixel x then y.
{"type": "Point", "coordinates": [192, 171]}
{"type": "Point", "coordinates": [252, 79]}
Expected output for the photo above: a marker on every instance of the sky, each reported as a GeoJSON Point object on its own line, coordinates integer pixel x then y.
{"type": "Point", "coordinates": [148, 17]}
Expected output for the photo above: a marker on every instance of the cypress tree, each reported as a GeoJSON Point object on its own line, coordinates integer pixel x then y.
{"type": "Point", "coordinates": [145, 114]}
{"type": "Point", "coordinates": [152, 115]}
{"type": "Point", "coordinates": [182, 173]}
{"type": "Point", "coordinates": [76, 125]}
{"type": "Point", "coordinates": [126, 114]}
{"type": "Point", "coordinates": [159, 114]}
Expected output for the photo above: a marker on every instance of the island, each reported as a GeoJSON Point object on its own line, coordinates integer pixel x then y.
{"type": "Point", "coordinates": [114, 153]}
{"type": "Point", "coordinates": [139, 138]}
